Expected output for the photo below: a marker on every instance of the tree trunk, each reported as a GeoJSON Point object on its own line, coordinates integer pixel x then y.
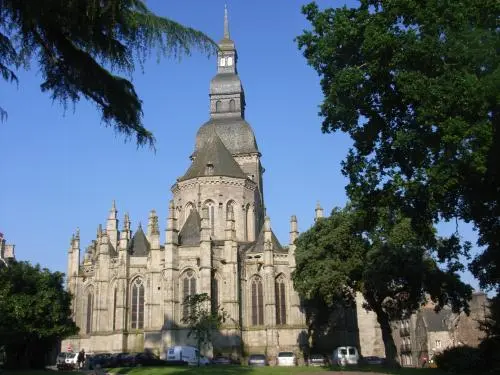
{"type": "Point", "coordinates": [391, 352]}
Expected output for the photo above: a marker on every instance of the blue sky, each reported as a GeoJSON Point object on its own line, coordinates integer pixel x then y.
{"type": "Point", "coordinates": [61, 169]}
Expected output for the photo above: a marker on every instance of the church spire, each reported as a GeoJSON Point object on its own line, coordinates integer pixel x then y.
{"type": "Point", "coordinates": [226, 24]}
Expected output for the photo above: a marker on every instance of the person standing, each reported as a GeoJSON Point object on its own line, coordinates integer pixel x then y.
{"type": "Point", "coordinates": [81, 358]}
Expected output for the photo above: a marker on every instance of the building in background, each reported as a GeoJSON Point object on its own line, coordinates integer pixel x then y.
{"type": "Point", "coordinates": [7, 252]}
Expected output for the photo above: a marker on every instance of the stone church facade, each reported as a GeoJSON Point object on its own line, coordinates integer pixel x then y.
{"type": "Point", "coordinates": [129, 289]}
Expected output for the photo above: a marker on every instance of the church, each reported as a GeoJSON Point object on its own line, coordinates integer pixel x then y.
{"type": "Point", "coordinates": [128, 290]}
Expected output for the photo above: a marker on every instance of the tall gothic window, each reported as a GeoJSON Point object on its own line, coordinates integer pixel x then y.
{"type": "Point", "coordinates": [232, 105]}
{"type": "Point", "coordinates": [230, 207]}
{"type": "Point", "coordinates": [211, 216]}
{"type": "Point", "coordinates": [257, 302]}
{"type": "Point", "coordinates": [188, 289]}
{"type": "Point", "coordinates": [90, 310]}
{"type": "Point", "coordinates": [115, 298]}
{"type": "Point", "coordinates": [215, 293]}
{"type": "Point", "coordinates": [137, 304]}
{"type": "Point", "coordinates": [248, 222]}
{"type": "Point", "coordinates": [279, 287]}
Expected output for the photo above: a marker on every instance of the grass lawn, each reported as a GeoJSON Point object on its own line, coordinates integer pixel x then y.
{"type": "Point", "coordinates": [237, 370]}
{"type": "Point", "coordinates": [245, 370]}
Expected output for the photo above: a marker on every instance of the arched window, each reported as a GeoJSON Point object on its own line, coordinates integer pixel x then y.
{"type": "Point", "coordinates": [137, 304]}
{"type": "Point", "coordinates": [229, 61]}
{"type": "Point", "coordinates": [230, 206]}
{"type": "Point", "coordinates": [115, 298]}
{"type": "Point", "coordinates": [218, 106]}
{"type": "Point", "coordinates": [248, 222]}
{"type": "Point", "coordinates": [215, 293]}
{"type": "Point", "coordinates": [188, 289]}
{"type": "Point", "coordinates": [90, 311]}
{"type": "Point", "coordinates": [232, 105]}
{"type": "Point", "coordinates": [211, 216]}
{"type": "Point", "coordinates": [280, 293]}
{"type": "Point", "coordinates": [257, 302]}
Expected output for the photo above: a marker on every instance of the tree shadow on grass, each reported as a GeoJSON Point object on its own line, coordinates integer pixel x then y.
{"type": "Point", "coordinates": [186, 370]}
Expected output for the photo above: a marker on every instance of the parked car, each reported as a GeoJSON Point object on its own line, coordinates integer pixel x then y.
{"type": "Point", "coordinates": [257, 360]}
{"type": "Point", "coordinates": [71, 360]}
{"type": "Point", "coordinates": [286, 359]}
{"type": "Point", "coordinates": [185, 354]}
{"type": "Point", "coordinates": [345, 355]}
{"type": "Point", "coordinates": [221, 360]}
{"type": "Point", "coordinates": [317, 360]}
{"type": "Point", "coordinates": [100, 360]}
{"type": "Point", "coordinates": [373, 360]}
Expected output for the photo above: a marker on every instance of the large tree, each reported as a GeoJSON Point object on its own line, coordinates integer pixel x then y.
{"type": "Point", "coordinates": [203, 318]}
{"type": "Point", "coordinates": [79, 46]}
{"type": "Point", "coordinates": [34, 313]}
{"type": "Point", "coordinates": [394, 268]}
{"type": "Point", "coordinates": [416, 84]}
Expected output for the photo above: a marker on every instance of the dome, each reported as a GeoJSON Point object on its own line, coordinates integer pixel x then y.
{"type": "Point", "coordinates": [236, 134]}
{"type": "Point", "coordinates": [225, 83]}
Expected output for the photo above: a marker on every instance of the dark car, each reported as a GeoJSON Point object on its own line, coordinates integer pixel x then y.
{"type": "Point", "coordinates": [101, 360]}
{"type": "Point", "coordinates": [147, 359]}
{"type": "Point", "coordinates": [257, 360]}
{"type": "Point", "coordinates": [373, 360]}
{"type": "Point", "coordinates": [317, 360]}
{"type": "Point", "coordinates": [221, 360]}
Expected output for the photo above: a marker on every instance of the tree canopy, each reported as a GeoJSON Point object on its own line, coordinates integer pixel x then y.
{"type": "Point", "coordinates": [35, 313]}
{"type": "Point", "coordinates": [81, 47]}
{"type": "Point", "coordinates": [394, 268]}
{"type": "Point", "coordinates": [416, 84]}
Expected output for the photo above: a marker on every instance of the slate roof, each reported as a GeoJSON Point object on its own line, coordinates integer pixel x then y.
{"type": "Point", "coordinates": [437, 322]}
{"type": "Point", "coordinates": [258, 245]}
{"type": "Point", "coordinates": [190, 232]}
{"type": "Point", "coordinates": [139, 245]}
{"type": "Point", "coordinates": [236, 134]}
{"type": "Point", "coordinates": [213, 153]}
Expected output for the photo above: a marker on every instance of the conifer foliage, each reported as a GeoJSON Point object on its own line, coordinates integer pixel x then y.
{"type": "Point", "coordinates": [82, 46]}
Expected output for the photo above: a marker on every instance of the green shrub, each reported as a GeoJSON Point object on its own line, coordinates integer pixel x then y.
{"type": "Point", "coordinates": [461, 359]}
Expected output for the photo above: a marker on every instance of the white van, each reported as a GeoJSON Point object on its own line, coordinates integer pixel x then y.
{"type": "Point", "coordinates": [187, 354]}
{"type": "Point", "coordinates": [345, 355]}
{"type": "Point", "coordinates": [286, 359]}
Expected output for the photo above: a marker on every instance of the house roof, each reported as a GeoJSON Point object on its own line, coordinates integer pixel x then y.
{"type": "Point", "coordinates": [190, 232]}
{"type": "Point", "coordinates": [213, 159]}
{"type": "Point", "coordinates": [258, 245]}
{"type": "Point", "coordinates": [139, 245]}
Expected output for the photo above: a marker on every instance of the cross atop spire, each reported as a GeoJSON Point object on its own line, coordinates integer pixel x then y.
{"type": "Point", "coordinates": [226, 23]}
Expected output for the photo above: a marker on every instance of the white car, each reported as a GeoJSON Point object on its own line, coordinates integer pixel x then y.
{"type": "Point", "coordinates": [71, 359]}
{"type": "Point", "coordinates": [188, 354]}
{"type": "Point", "coordinates": [345, 355]}
{"type": "Point", "coordinates": [286, 359]}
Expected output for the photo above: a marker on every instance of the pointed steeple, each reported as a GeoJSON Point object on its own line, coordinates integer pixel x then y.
{"type": "Point", "coordinates": [226, 24]}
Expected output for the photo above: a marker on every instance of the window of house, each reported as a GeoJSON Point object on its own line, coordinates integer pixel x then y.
{"type": "Point", "coordinates": [137, 304]}
{"type": "Point", "coordinates": [257, 302]}
{"type": "Point", "coordinates": [115, 298]}
{"type": "Point", "coordinates": [215, 293]}
{"type": "Point", "coordinates": [280, 300]}
{"type": "Point", "coordinates": [188, 289]}
{"type": "Point", "coordinates": [90, 310]}
{"type": "Point", "coordinates": [211, 216]}
{"type": "Point", "coordinates": [248, 222]}
{"type": "Point", "coordinates": [438, 343]}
